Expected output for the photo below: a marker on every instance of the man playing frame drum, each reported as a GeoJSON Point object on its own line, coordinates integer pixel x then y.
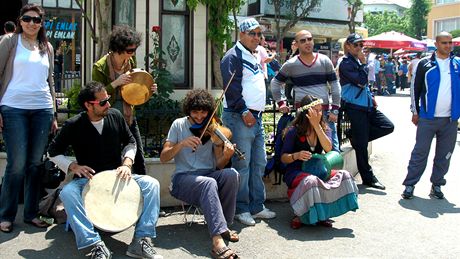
{"type": "Point", "coordinates": [101, 140]}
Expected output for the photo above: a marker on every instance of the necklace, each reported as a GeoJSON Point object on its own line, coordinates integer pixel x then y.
{"type": "Point", "coordinates": [29, 44]}
{"type": "Point", "coordinates": [312, 143]}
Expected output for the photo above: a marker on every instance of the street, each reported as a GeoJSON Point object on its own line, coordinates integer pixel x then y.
{"type": "Point", "coordinates": [385, 226]}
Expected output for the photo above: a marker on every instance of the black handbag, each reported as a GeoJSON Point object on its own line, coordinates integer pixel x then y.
{"type": "Point", "coordinates": [51, 175]}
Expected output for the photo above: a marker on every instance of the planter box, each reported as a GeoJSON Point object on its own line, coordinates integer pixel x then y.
{"type": "Point", "coordinates": [163, 172]}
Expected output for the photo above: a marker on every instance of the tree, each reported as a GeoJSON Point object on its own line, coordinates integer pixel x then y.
{"type": "Point", "coordinates": [353, 7]}
{"type": "Point", "coordinates": [103, 9]}
{"type": "Point", "coordinates": [418, 17]}
{"type": "Point", "coordinates": [219, 28]}
{"type": "Point", "coordinates": [377, 23]}
{"type": "Point", "coordinates": [295, 11]}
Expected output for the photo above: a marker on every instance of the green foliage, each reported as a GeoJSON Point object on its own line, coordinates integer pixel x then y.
{"type": "Point", "coordinates": [418, 17]}
{"type": "Point", "coordinates": [158, 69]}
{"type": "Point", "coordinates": [219, 23]}
{"type": "Point", "coordinates": [386, 21]}
{"type": "Point", "coordinates": [72, 95]}
{"type": "Point", "coordinates": [455, 33]}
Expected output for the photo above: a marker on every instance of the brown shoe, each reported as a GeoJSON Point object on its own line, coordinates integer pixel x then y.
{"type": "Point", "coordinates": [230, 235]}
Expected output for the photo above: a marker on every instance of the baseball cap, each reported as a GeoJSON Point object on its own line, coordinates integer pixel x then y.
{"type": "Point", "coordinates": [249, 25]}
{"type": "Point", "coordinates": [354, 37]}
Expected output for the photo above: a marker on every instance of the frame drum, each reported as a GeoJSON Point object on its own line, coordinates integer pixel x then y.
{"type": "Point", "coordinates": [112, 204]}
{"type": "Point", "coordinates": [139, 90]}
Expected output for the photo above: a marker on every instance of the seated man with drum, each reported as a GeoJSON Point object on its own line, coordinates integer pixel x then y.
{"type": "Point", "coordinates": [101, 140]}
{"type": "Point", "coordinates": [196, 179]}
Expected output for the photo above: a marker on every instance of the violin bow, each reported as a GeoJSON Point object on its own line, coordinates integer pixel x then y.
{"type": "Point", "coordinates": [217, 104]}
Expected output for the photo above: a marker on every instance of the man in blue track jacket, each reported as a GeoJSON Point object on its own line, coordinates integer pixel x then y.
{"type": "Point", "coordinates": [436, 109]}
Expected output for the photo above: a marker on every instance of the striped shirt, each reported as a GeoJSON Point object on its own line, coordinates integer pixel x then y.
{"type": "Point", "coordinates": [318, 79]}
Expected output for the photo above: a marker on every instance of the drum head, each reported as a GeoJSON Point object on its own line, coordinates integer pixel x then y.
{"type": "Point", "coordinates": [112, 204]}
{"type": "Point", "coordinates": [139, 90]}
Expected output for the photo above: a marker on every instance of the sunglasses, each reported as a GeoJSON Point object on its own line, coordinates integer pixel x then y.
{"type": "Point", "coordinates": [27, 19]}
{"type": "Point", "coordinates": [358, 45]}
{"type": "Point", "coordinates": [101, 103]}
{"type": "Point", "coordinates": [131, 51]}
{"type": "Point", "coordinates": [254, 34]}
{"type": "Point", "coordinates": [446, 42]}
{"type": "Point", "coordinates": [302, 41]}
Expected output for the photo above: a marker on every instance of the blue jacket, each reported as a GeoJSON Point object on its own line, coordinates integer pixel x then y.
{"type": "Point", "coordinates": [353, 78]}
{"type": "Point", "coordinates": [426, 87]}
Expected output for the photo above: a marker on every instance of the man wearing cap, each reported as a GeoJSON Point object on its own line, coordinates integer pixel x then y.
{"type": "Point", "coordinates": [311, 73]}
{"type": "Point", "coordinates": [367, 123]}
{"type": "Point", "coordinates": [244, 103]}
{"type": "Point", "coordinates": [436, 103]}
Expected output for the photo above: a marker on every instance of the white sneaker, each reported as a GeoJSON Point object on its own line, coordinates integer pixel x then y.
{"type": "Point", "coordinates": [245, 218]}
{"type": "Point", "coordinates": [265, 214]}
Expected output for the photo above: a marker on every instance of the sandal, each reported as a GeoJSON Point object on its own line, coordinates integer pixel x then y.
{"type": "Point", "coordinates": [224, 253]}
{"type": "Point", "coordinates": [296, 223]}
{"type": "Point", "coordinates": [37, 223]}
{"type": "Point", "coordinates": [325, 223]}
{"type": "Point", "coordinates": [6, 226]}
{"type": "Point", "coordinates": [231, 236]}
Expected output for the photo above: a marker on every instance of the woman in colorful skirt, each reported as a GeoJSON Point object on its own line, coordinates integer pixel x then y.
{"type": "Point", "coordinates": [314, 200]}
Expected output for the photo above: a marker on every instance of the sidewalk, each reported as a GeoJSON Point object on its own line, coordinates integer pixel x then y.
{"type": "Point", "coordinates": [385, 226]}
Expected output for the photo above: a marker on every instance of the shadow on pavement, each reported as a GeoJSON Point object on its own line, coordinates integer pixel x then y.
{"type": "Point", "coordinates": [429, 207]}
{"type": "Point", "coordinates": [281, 224]}
{"type": "Point", "coordinates": [363, 189]}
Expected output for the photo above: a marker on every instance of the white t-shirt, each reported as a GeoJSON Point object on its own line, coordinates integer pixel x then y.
{"type": "Point", "coordinates": [444, 100]}
{"type": "Point", "coordinates": [28, 88]}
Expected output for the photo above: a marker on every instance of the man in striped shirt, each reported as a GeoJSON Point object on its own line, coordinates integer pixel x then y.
{"type": "Point", "coordinates": [311, 74]}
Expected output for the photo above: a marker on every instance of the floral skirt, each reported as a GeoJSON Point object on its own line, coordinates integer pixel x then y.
{"type": "Point", "coordinates": [314, 200]}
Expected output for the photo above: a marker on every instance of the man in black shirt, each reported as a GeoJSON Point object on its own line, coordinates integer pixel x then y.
{"type": "Point", "coordinates": [101, 140]}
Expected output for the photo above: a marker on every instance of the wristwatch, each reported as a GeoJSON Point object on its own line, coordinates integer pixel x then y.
{"type": "Point", "coordinates": [245, 113]}
{"type": "Point", "coordinates": [335, 112]}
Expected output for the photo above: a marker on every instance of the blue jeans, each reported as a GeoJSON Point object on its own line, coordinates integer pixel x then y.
{"type": "Point", "coordinates": [25, 133]}
{"type": "Point", "coordinates": [333, 132]}
{"type": "Point", "coordinates": [251, 141]}
{"type": "Point", "coordinates": [85, 235]}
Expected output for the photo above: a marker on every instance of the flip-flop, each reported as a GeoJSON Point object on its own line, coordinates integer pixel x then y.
{"type": "Point", "coordinates": [296, 223]}
{"type": "Point", "coordinates": [231, 236]}
{"type": "Point", "coordinates": [6, 226]}
{"type": "Point", "coordinates": [37, 223]}
{"type": "Point", "coordinates": [223, 253]}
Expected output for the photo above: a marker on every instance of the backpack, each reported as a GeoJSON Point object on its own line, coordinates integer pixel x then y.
{"type": "Point", "coordinates": [274, 163]}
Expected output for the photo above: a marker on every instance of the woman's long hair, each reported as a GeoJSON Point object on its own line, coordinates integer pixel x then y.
{"type": "Point", "coordinates": [301, 122]}
{"type": "Point", "coordinates": [41, 36]}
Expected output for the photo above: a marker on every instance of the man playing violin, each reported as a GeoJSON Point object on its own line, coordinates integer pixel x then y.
{"type": "Point", "coordinates": [101, 140]}
{"type": "Point", "coordinates": [243, 106]}
{"type": "Point", "coordinates": [200, 178]}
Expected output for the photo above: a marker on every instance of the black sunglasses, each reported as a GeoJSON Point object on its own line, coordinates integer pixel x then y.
{"type": "Point", "coordinates": [101, 103]}
{"type": "Point", "coordinates": [131, 51]}
{"type": "Point", "coordinates": [358, 45]}
{"type": "Point", "coordinates": [35, 19]}
{"type": "Point", "coordinates": [302, 41]}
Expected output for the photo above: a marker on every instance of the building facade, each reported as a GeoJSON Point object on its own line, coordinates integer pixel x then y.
{"type": "Point", "coordinates": [380, 6]}
{"type": "Point", "coordinates": [444, 16]}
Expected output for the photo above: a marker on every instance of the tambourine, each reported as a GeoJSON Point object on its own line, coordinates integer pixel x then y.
{"type": "Point", "coordinates": [139, 90]}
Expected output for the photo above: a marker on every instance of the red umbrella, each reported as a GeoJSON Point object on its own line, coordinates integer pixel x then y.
{"type": "Point", "coordinates": [456, 41]}
{"type": "Point", "coordinates": [394, 40]}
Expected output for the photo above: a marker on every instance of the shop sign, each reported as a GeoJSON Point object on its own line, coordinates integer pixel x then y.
{"type": "Point", "coordinates": [58, 29]}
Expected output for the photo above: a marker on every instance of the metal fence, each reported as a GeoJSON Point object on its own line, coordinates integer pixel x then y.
{"type": "Point", "coordinates": [154, 126]}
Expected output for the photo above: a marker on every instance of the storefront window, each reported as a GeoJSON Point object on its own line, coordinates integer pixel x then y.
{"type": "Point", "coordinates": [48, 3]}
{"type": "Point", "coordinates": [124, 12]}
{"type": "Point", "coordinates": [64, 3]}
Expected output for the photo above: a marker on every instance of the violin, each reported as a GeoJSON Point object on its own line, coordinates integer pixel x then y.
{"type": "Point", "coordinates": [214, 131]}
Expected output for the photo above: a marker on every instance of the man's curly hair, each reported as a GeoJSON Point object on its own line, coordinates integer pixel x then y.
{"type": "Point", "coordinates": [122, 37]}
{"type": "Point", "coordinates": [198, 100]}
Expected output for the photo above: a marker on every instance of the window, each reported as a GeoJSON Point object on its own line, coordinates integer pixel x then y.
{"type": "Point", "coordinates": [446, 25]}
{"type": "Point", "coordinates": [439, 2]}
{"type": "Point", "coordinates": [124, 12]}
{"type": "Point", "coordinates": [56, 3]}
{"type": "Point", "coordinates": [175, 41]}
